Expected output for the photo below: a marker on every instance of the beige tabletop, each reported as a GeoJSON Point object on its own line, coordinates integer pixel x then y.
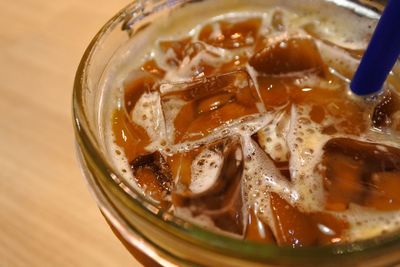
{"type": "Point", "coordinates": [47, 216]}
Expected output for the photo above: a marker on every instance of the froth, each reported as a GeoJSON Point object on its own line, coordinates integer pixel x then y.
{"type": "Point", "coordinates": [367, 223]}
{"type": "Point", "coordinates": [272, 138]}
{"type": "Point", "coordinates": [245, 126]}
{"type": "Point", "coordinates": [148, 114]}
{"type": "Point", "coordinates": [261, 176]}
{"type": "Point", "coordinates": [285, 135]}
{"type": "Point", "coordinates": [305, 143]}
{"type": "Point", "coordinates": [205, 170]}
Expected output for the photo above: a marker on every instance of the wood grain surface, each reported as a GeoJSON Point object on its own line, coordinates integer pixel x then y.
{"type": "Point", "coordinates": [47, 216]}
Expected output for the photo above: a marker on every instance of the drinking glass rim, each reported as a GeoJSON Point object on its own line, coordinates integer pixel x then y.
{"type": "Point", "coordinates": [175, 225]}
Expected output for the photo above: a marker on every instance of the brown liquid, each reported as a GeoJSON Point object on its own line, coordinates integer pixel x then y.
{"type": "Point", "coordinates": [353, 171]}
{"type": "Point", "coordinates": [211, 103]}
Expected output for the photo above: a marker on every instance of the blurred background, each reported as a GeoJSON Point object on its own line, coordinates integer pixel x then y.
{"type": "Point", "coordinates": [47, 216]}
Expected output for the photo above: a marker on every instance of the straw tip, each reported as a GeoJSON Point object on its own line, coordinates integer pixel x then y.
{"type": "Point", "coordinates": [381, 54]}
{"type": "Point", "coordinates": [364, 90]}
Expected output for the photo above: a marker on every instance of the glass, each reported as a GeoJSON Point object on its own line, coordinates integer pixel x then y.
{"type": "Point", "coordinates": [153, 235]}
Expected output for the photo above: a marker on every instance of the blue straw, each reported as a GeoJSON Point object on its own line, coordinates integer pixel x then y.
{"type": "Point", "coordinates": [382, 52]}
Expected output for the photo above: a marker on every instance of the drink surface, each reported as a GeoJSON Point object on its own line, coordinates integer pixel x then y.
{"type": "Point", "coordinates": [243, 123]}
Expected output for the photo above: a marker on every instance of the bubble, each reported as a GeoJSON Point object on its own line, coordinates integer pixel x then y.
{"type": "Point", "coordinates": [225, 131]}
{"type": "Point", "coordinates": [309, 151]}
{"type": "Point", "coordinates": [278, 147]}
{"type": "Point", "coordinates": [205, 168]}
{"type": "Point", "coordinates": [304, 121]}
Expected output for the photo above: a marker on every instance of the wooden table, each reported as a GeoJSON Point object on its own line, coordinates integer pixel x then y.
{"type": "Point", "coordinates": [47, 216]}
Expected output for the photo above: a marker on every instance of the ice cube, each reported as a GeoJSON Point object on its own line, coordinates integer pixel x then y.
{"type": "Point", "coordinates": [257, 230]}
{"type": "Point", "coordinates": [174, 50]}
{"type": "Point", "coordinates": [385, 195]}
{"type": "Point", "coordinates": [275, 92]}
{"type": "Point", "coordinates": [221, 201]}
{"type": "Point", "coordinates": [361, 173]}
{"type": "Point", "coordinates": [353, 48]}
{"type": "Point", "coordinates": [297, 229]}
{"type": "Point", "coordinates": [330, 107]}
{"type": "Point", "coordinates": [132, 138]}
{"type": "Point", "coordinates": [277, 21]}
{"type": "Point", "coordinates": [186, 57]}
{"type": "Point", "coordinates": [272, 138]}
{"type": "Point", "coordinates": [196, 60]}
{"type": "Point", "coordinates": [236, 63]}
{"type": "Point", "coordinates": [152, 67]}
{"type": "Point", "coordinates": [135, 86]}
{"type": "Point", "coordinates": [386, 114]}
{"type": "Point", "coordinates": [153, 174]}
{"type": "Point", "coordinates": [192, 110]}
{"type": "Point", "coordinates": [288, 55]}
{"type": "Point", "coordinates": [148, 114]}
{"type": "Point", "coordinates": [293, 228]}
{"type": "Point", "coordinates": [231, 35]}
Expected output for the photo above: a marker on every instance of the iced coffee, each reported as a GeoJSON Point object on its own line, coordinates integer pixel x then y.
{"type": "Point", "coordinates": [243, 123]}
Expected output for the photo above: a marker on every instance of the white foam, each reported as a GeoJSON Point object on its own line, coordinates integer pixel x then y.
{"type": "Point", "coordinates": [261, 175]}
{"type": "Point", "coordinates": [245, 126]}
{"type": "Point", "coordinates": [365, 223]}
{"type": "Point", "coordinates": [272, 138]}
{"type": "Point", "coordinates": [148, 114]}
{"type": "Point", "coordinates": [305, 144]}
{"type": "Point", "coordinates": [205, 170]}
{"type": "Point", "coordinates": [172, 108]}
